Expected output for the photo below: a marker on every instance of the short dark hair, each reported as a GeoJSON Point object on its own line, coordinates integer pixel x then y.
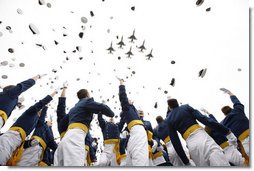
{"type": "Point", "coordinates": [226, 110]}
{"type": "Point", "coordinates": [159, 119]}
{"type": "Point", "coordinates": [82, 93]}
{"type": "Point", "coordinates": [172, 103]}
{"type": "Point", "coordinates": [8, 87]}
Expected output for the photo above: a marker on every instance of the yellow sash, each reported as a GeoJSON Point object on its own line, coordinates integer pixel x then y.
{"type": "Point", "coordinates": [16, 156]}
{"type": "Point", "coordinates": [43, 164]}
{"type": "Point", "coordinates": [190, 130]}
{"type": "Point", "coordinates": [116, 148]}
{"type": "Point", "coordinates": [244, 135]}
{"type": "Point", "coordinates": [158, 154]}
{"type": "Point", "coordinates": [224, 145]}
{"type": "Point", "coordinates": [78, 125]}
{"type": "Point", "coordinates": [88, 158]}
{"type": "Point", "coordinates": [134, 122]}
{"type": "Point", "coordinates": [3, 115]}
{"type": "Point", "coordinates": [62, 135]}
{"type": "Point", "coordinates": [166, 140]}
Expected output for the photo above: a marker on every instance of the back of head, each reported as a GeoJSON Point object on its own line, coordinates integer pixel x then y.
{"type": "Point", "coordinates": [8, 87]}
{"type": "Point", "coordinates": [159, 119]}
{"type": "Point", "coordinates": [226, 110]}
{"type": "Point", "coordinates": [172, 103]}
{"type": "Point", "coordinates": [82, 93]}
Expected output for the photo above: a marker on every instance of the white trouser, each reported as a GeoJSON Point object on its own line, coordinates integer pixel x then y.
{"type": "Point", "coordinates": [204, 151]}
{"type": "Point", "coordinates": [123, 162]}
{"type": "Point", "coordinates": [137, 147]}
{"type": "Point", "coordinates": [9, 142]}
{"type": "Point", "coordinates": [173, 156]}
{"type": "Point", "coordinates": [108, 157]}
{"type": "Point", "coordinates": [246, 145]}
{"type": "Point", "coordinates": [159, 160]}
{"type": "Point", "coordinates": [31, 156]}
{"type": "Point", "coordinates": [233, 155]}
{"type": "Point", "coordinates": [1, 122]}
{"type": "Point", "coordinates": [151, 162]}
{"type": "Point", "coordinates": [71, 150]}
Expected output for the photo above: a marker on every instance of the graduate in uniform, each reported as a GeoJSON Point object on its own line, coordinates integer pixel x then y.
{"type": "Point", "coordinates": [11, 142]}
{"type": "Point", "coordinates": [137, 147]}
{"type": "Point", "coordinates": [72, 146]}
{"type": "Point", "coordinates": [33, 155]}
{"type": "Point", "coordinates": [203, 149]}
{"type": "Point", "coordinates": [236, 120]}
{"type": "Point", "coordinates": [9, 97]}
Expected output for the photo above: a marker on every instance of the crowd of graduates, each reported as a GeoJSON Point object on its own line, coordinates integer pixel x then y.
{"type": "Point", "coordinates": [130, 142]}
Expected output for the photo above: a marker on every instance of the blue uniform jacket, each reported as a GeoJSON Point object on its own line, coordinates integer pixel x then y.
{"type": "Point", "coordinates": [83, 111]}
{"type": "Point", "coordinates": [109, 130]}
{"type": "Point", "coordinates": [183, 117]}
{"type": "Point", "coordinates": [9, 98]}
{"type": "Point", "coordinates": [218, 137]}
{"type": "Point", "coordinates": [28, 120]}
{"type": "Point", "coordinates": [161, 132]}
{"type": "Point", "coordinates": [236, 120]}
{"type": "Point", "coordinates": [62, 117]}
{"type": "Point", "coordinates": [43, 131]}
{"type": "Point", "coordinates": [129, 112]}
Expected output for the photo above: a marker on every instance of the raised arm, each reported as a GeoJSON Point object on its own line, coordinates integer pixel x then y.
{"type": "Point", "coordinates": [120, 124]}
{"type": "Point", "coordinates": [102, 122]}
{"type": "Point", "coordinates": [123, 98]}
{"type": "Point", "coordinates": [237, 104]}
{"type": "Point", "coordinates": [42, 115]}
{"type": "Point", "coordinates": [51, 141]}
{"type": "Point", "coordinates": [15, 91]}
{"type": "Point", "coordinates": [61, 104]}
{"type": "Point", "coordinates": [39, 105]}
{"type": "Point", "coordinates": [209, 122]}
{"type": "Point", "coordinates": [97, 108]}
{"type": "Point", "coordinates": [60, 111]}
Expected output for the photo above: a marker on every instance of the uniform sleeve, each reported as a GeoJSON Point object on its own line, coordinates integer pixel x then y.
{"type": "Point", "coordinates": [123, 98]}
{"type": "Point", "coordinates": [100, 108]}
{"type": "Point", "coordinates": [39, 105]}
{"type": "Point", "coordinates": [61, 109]}
{"type": "Point", "coordinates": [120, 124]}
{"type": "Point", "coordinates": [15, 91]}
{"type": "Point", "coordinates": [102, 122]}
{"type": "Point", "coordinates": [209, 122]}
{"type": "Point", "coordinates": [237, 104]}
{"type": "Point", "coordinates": [51, 142]}
{"type": "Point", "coordinates": [212, 117]}
{"type": "Point", "coordinates": [178, 145]}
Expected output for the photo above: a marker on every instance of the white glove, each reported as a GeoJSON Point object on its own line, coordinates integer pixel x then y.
{"type": "Point", "coordinates": [124, 134]}
{"type": "Point", "coordinates": [224, 90]}
{"type": "Point", "coordinates": [42, 75]}
{"type": "Point", "coordinates": [232, 139]}
{"type": "Point", "coordinates": [94, 144]}
{"type": "Point", "coordinates": [204, 110]}
{"type": "Point", "coordinates": [155, 145]}
{"type": "Point", "coordinates": [21, 99]}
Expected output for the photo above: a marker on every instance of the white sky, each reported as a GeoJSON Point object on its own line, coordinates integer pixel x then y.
{"type": "Point", "coordinates": [176, 30]}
